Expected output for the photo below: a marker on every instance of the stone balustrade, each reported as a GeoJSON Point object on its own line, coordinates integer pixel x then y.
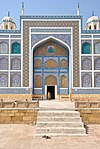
{"type": "Point", "coordinates": [18, 112]}
{"type": "Point", "coordinates": [89, 111]}
{"type": "Point", "coordinates": [87, 104]}
{"type": "Point", "coordinates": [19, 104]}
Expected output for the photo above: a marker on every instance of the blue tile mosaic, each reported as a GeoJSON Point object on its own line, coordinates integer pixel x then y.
{"type": "Point", "coordinates": [64, 91]}
{"type": "Point", "coordinates": [90, 31]}
{"type": "Point", "coordinates": [15, 91]}
{"type": "Point", "coordinates": [51, 17]}
{"type": "Point", "coordinates": [86, 91]}
{"type": "Point", "coordinates": [51, 30]}
{"type": "Point", "coordinates": [63, 37]}
{"type": "Point", "coordinates": [37, 91]}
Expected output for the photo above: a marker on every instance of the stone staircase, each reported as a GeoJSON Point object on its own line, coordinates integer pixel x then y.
{"type": "Point", "coordinates": [58, 122]}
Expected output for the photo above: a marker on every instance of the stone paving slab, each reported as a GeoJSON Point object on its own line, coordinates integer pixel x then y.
{"type": "Point", "coordinates": [55, 104]}
{"type": "Point", "coordinates": [17, 136]}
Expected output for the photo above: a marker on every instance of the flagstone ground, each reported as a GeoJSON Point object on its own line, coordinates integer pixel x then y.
{"type": "Point", "coordinates": [17, 136]}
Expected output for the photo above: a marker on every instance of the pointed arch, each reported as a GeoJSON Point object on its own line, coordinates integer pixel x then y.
{"type": "Point", "coordinates": [97, 64]}
{"type": "Point", "coordinates": [86, 64]}
{"type": "Point", "coordinates": [51, 38]}
{"type": "Point", "coordinates": [3, 80]}
{"type": "Point", "coordinates": [97, 48]}
{"type": "Point", "coordinates": [15, 64]}
{"type": "Point", "coordinates": [15, 80]}
{"type": "Point", "coordinates": [51, 80]}
{"type": "Point", "coordinates": [38, 81]}
{"type": "Point", "coordinates": [51, 64]}
{"type": "Point", "coordinates": [16, 48]}
{"type": "Point", "coordinates": [4, 48]}
{"type": "Point", "coordinates": [64, 63]}
{"type": "Point", "coordinates": [86, 80]}
{"type": "Point", "coordinates": [37, 63]}
{"type": "Point", "coordinates": [97, 80]}
{"type": "Point", "coordinates": [36, 53]}
{"type": "Point", "coordinates": [86, 48]}
{"type": "Point", "coordinates": [63, 81]}
{"type": "Point", "coordinates": [3, 63]}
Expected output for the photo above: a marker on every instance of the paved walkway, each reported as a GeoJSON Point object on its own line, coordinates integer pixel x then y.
{"type": "Point", "coordinates": [55, 104]}
{"type": "Point", "coordinates": [23, 137]}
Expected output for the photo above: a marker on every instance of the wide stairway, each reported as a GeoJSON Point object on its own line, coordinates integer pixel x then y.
{"type": "Point", "coordinates": [59, 119]}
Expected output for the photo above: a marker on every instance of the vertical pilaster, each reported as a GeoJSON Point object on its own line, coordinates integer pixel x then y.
{"type": "Point", "coordinates": [59, 78]}
{"type": "Point", "coordinates": [92, 63]}
{"type": "Point", "coordinates": [43, 81]}
{"type": "Point", "coordinates": [9, 60]}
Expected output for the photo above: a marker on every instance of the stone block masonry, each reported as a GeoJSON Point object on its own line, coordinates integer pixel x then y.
{"type": "Point", "coordinates": [90, 116]}
{"type": "Point", "coordinates": [18, 116]}
{"type": "Point", "coordinates": [89, 111]}
{"type": "Point", "coordinates": [18, 112]}
{"type": "Point", "coordinates": [85, 97]}
{"type": "Point", "coordinates": [16, 97]}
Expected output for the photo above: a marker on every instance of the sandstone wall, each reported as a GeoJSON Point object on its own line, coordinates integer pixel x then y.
{"type": "Point", "coordinates": [73, 97]}
{"type": "Point", "coordinates": [90, 116]}
{"type": "Point", "coordinates": [18, 116]}
{"type": "Point", "coordinates": [16, 97]}
{"type": "Point", "coordinates": [85, 97]}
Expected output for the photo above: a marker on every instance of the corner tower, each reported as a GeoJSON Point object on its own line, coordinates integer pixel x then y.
{"type": "Point", "coordinates": [93, 23]}
{"type": "Point", "coordinates": [8, 23]}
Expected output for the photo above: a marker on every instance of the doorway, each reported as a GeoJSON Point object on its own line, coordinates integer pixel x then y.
{"type": "Point", "coordinates": [50, 92]}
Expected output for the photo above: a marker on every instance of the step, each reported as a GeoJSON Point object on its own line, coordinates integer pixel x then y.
{"type": "Point", "coordinates": [61, 134]}
{"type": "Point", "coordinates": [58, 113]}
{"type": "Point", "coordinates": [59, 119]}
{"type": "Point", "coordinates": [54, 104]}
{"type": "Point", "coordinates": [59, 124]}
{"type": "Point", "coordinates": [60, 130]}
{"type": "Point", "coordinates": [57, 109]}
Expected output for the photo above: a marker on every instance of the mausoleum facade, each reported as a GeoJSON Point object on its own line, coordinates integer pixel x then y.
{"type": "Point", "coordinates": [49, 54]}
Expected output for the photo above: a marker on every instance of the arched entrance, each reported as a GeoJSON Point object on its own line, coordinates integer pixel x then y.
{"type": "Point", "coordinates": [51, 67]}
{"type": "Point", "coordinates": [51, 87]}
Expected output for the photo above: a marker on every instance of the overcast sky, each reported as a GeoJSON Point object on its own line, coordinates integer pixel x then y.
{"type": "Point", "coordinates": [63, 7]}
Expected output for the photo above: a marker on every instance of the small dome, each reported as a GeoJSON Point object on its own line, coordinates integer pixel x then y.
{"type": "Point", "coordinates": [7, 19]}
{"type": "Point", "coordinates": [8, 23]}
{"type": "Point", "coordinates": [93, 18]}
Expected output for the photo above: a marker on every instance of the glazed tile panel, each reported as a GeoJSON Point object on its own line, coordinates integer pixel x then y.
{"type": "Point", "coordinates": [28, 24]}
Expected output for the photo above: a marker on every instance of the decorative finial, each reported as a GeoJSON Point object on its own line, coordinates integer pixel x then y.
{"type": "Point", "coordinates": [92, 13]}
{"type": "Point", "coordinates": [22, 8]}
{"type": "Point", "coordinates": [78, 5]}
{"type": "Point", "coordinates": [78, 9]}
{"type": "Point", "coordinates": [8, 13]}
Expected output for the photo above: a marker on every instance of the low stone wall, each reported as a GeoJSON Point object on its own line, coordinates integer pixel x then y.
{"type": "Point", "coordinates": [14, 97]}
{"type": "Point", "coordinates": [89, 111]}
{"type": "Point", "coordinates": [90, 116]}
{"type": "Point", "coordinates": [73, 97]}
{"type": "Point", "coordinates": [19, 104]}
{"type": "Point", "coordinates": [85, 97]}
{"type": "Point", "coordinates": [18, 112]}
{"type": "Point", "coordinates": [18, 116]}
{"type": "Point", "coordinates": [87, 104]}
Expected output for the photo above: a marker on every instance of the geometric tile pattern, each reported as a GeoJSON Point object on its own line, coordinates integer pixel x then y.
{"type": "Point", "coordinates": [14, 91]}
{"type": "Point", "coordinates": [64, 37]}
{"type": "Point", "coordinates": [27, 24]}
{"type": "Point", "coordinates": [86, 91]}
